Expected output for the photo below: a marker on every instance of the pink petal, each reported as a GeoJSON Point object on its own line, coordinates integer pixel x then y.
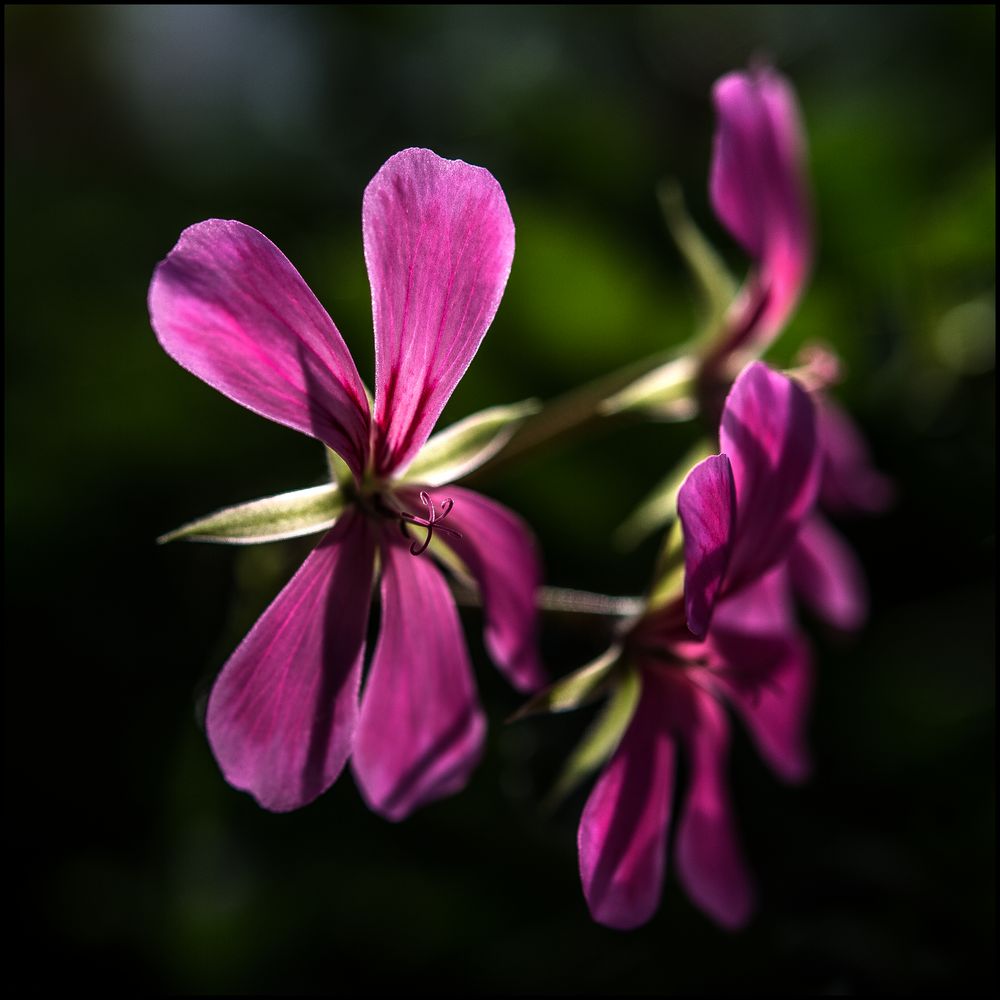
{"type": "Point", "coordinates": [421, 730]}
{"type": "Point", "coordinates": [706, 505]}
{"type": "Point", "coordinates": [758, 186]}
{"type": "Point", "coordinates": [777, 713]}
{"type": "Point", "coordinates": [851, 483]}
{"type": "Point", "coordinates": [710, 862]}
{"type": "Point", "coordinates": [828, 577]}
{"type": "Point", "coordinates": [500, 552]}
{"type": "Point", "coordinates": [439, 242]}
{"type": "Point", "coordinates": [282, 714]}
{"type": "Point", "coordinates": [228, 306]}
{"type": "Point", "coordinates": [622, 838]}
{"type": "Point", "coordinates": [768, 433]}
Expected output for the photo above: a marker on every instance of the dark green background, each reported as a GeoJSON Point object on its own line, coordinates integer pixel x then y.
{"type": "Point", "coordinates": [136, 865]}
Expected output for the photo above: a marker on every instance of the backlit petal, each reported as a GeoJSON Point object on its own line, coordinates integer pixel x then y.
{"type": "Point", "coordinates": [758, 187]}
{"type": "Point", "coordinates": [421, 729]}
{"type": "Point", "coordinates": [710, 862]}
{"type": "Point", "coordinates": [622, 838]}
{"type": "Point", "coordinates": [227, 305]}
{"type": "Point", "coordinates": [706, 505]}
{"type": "Point", "coordinates": [439, 242]}
{"type": "Point", "coordinates": [282, 715]}
{"type": "Point", "coordinates": [768, 432]}
{"type": "Point", "coordinates": [500, 552]}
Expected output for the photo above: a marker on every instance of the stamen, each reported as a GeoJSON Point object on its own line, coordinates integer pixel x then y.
{"type": "Point", "coordinates": [432, 521]}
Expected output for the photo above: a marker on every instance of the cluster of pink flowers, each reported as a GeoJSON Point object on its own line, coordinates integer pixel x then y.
{"type": "Point", "coordinates": [294, 703]}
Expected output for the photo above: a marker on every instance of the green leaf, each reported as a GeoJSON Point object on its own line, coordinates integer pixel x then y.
{"type": "Point", "coordinates": [602, 737]}
{"type": "Point", "coordinates": [660, 506]}
{"type": "Point", "coordinates": [666, 393]}
{"type": "Point", "coordinates": [574, 690]}
{"type": "Point", "coordinates": [716, 285]}
{"type": "Point", "coordinates": [465, 446]}
{"type": "Point", "coordinates": [269, 519]}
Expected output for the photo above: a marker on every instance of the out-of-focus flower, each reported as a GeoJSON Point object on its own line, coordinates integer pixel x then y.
{"type": "Point", "coordinates": [730, 637]}
{"type": "Point", "coordinates": [284, 715]}
{"type": "Point", "coordinates": [759, 191]}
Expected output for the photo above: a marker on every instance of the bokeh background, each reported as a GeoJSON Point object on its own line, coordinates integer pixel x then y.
{"type": "Point", "coordinates": [135, 865]}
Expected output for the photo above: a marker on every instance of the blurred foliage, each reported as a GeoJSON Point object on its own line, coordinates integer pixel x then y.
{"type": "Point", "coordinates": [139, 867]}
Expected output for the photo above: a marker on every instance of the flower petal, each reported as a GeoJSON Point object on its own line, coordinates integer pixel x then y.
{"type": "Point", "coordinates": [758, 187]}
{"type": "Point", "coordinates": [827, 575]}
{"type": "Point", "coordinates": [706, 505]}
{"type": "Point", "coordinates": [768, 433]}
{"type": "Point", "coordinates": [421, 729]}
{"type": "Point", "coordinates": [439, 242]}
{"type": "Point", "coordinates": [622, 839]}
{"type": "Point", "coordinates": [227, 305]}
{"type": "Point", "coordinates": [281, 716]}
{"type": "Point", "coordinates": [765, 668]}
{"type": "Point", "coordinates": [499, 550]}
{"type": "Point", "coordinates": [710, 862]}
{"type": "Point", "coordinates": [851, 483]}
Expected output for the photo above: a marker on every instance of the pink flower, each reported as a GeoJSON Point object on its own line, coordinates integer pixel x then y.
{"type": "Point", "coordinates": [731, 638]}
{"type": "Point", "coordinates": [759, 192]}
{"type": "Point", "coordinates": [285, 713]}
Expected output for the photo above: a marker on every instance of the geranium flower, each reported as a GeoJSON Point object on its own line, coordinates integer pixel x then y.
{"type": "Point", "coordinates": [759, 192]}
{"type": "Point", "coordinates": [284, 715]}
{"type": "Point", "coordinates": [731, 638]}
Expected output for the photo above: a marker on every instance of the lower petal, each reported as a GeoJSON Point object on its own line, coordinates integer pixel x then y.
{"type": "Point", "coordinates": [421, 730]}
{"type": "Point", "coordinates": [500, 552]}
{"type": "Point", "coordinates": [710, 862]}
{"type": "Point", "coordinates": [622, 838]}
{"type": "Point", "coordinates": [282, 714]}
{"type": "Point", "coordinates": [828, 577]}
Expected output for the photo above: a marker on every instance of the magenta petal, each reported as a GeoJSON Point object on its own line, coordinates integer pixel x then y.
{"type": "Point", "coordinates": [282, 714]}
{"type": "Point", "coordinates": [439, 242]}
{"type": "Point", "coordinates": [851, 483]}
{"type": "Point", "coordinates": [709, 860]}
{"type": "Point", "coordinates": [421, 729]}
{"type": "Point", "coordinates": [622, 838]}
{"type": "Point", "coordinates": [500, 552]}
{"type": "Point", "coordinates": [757, 184]}
{"type": "Point", "coordinates": [828, 577]}
{"type": "Point", "coordinates": [768, 433]}
{"type": "Point", "coordinates": [706, 505]}
{"type": "Point", "coordinates": [227, 305]}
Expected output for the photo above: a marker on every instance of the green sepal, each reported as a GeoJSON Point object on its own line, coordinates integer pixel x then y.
{"type": "Point", "coordinates": [668, 578]}
{"type": "Point", "coordinates": [573, 690]}
{"type": "Point", "coordinates": [660, 506]}
{"type": "Point", "coordinates": [716, 286]}
{"type": "Point", "coordinates": [463, 447]}
{"type": "Point", "coordinates": [269, 519]}
{"type": "Point", "coordinates": [665, 393]}
{"type": "Point", "coordinates": [602, 737]}
{"type": "Point", "coordinates": [340, 472]}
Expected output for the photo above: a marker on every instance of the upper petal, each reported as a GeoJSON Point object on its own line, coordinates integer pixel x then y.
{"type": "Point", "coordinates": [421, 728]}
{"type": "Point", "coordinates": [622, 839]}
{"type": "Point", "coordinates": [282, 714]}
{"type": "Point", "coordinates": [500, 552]}
{"type": "Point", "coordinates": [827, 575]}
{"type": "Point", "coordinates": [706, 505]}
{"type": "Point", "coordinates": [439, 242]}
{"type": "Point", "coordinates": [710, 863]}
{"type": "Point", "coordinates": [768, 432]}
{"type": "Point", "coordinates": [227, 305]}
{"type": "Point", "coordinates": [757, 184]}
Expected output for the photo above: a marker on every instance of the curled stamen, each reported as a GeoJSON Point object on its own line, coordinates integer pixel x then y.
{"type": "Point", "coordinates": [432, 521]}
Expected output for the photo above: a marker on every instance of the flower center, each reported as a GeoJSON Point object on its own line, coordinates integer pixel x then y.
{"type": "Point", "coordinates": [430, 522]}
